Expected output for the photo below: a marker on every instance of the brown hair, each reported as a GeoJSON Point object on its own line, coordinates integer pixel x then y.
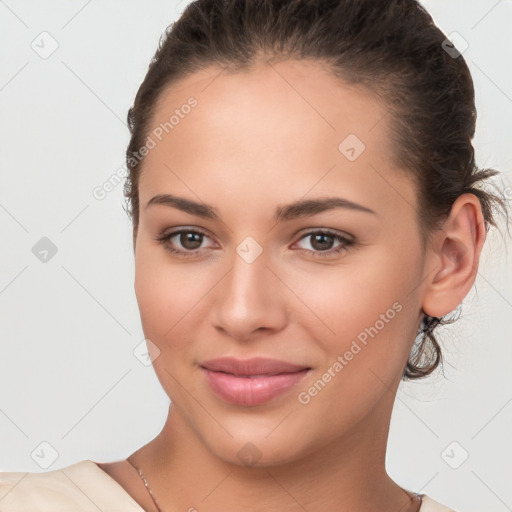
{"type": "Point", "coordinates": [391, 47]}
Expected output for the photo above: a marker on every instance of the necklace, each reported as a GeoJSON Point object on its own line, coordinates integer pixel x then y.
{"type": "Point", "coordinates": [145, 483]}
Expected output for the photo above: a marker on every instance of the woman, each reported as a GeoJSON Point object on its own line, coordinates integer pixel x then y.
{"type": "Point", "coordinates": [305, 210]}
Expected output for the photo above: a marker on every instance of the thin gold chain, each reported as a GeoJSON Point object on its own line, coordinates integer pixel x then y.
{"type": "Point", "coordinates": [145, 483]}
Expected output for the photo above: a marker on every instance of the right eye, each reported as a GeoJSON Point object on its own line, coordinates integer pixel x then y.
{"type": "Point", "coordinates": [190, 241]}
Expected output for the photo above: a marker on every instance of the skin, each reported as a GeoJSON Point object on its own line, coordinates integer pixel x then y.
{"type": "Point", "coordinates": [256, 141]}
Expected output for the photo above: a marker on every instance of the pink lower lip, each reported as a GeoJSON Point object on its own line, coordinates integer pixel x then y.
{"type": "Point", "coordinates": [253, 390]}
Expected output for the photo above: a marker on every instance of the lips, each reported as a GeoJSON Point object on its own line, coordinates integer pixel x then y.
{"type": "Point", "coordinates": [252, 381]}
{"type": "Point", "coordinates": [251, 367]}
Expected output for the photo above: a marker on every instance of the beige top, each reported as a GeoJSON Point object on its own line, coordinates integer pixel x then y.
{"type": "Point", "coordinates": [84, 487]}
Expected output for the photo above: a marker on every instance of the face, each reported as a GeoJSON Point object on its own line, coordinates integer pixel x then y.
{"type": "Point", "coordinates": [290, 236]}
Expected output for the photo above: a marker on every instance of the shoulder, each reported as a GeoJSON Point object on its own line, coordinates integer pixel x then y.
{"type": "Point", "coordinates": [81, 487]}
{"type": "Point", "coordinates": [429, 505]}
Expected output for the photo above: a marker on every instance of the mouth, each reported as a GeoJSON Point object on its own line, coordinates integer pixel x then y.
{"type": "Point", "coordinates": [253, 381]}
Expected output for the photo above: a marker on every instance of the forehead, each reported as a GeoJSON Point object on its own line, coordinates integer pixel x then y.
{"type": "Point", "coordinates": [269, 101]}
{"type": "Point", "coordinates": [285, 128]}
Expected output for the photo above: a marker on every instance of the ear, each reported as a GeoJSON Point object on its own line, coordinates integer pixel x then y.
{"type": "Point", "coordinates": [455, 253]}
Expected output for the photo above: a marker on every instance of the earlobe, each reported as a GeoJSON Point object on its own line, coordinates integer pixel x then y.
{"type": "Point", "coordinates": [459, 243]}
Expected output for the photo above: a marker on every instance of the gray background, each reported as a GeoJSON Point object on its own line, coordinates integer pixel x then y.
{"type": "Point", "coordinates": [69, 377]}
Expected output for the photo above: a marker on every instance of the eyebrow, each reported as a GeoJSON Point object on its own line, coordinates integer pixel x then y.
{"type": "Point", "coordinates": [300, 208]}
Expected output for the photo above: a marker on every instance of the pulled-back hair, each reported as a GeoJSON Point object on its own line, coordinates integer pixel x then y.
{"type": "Point", "coordinates": [391, 47]}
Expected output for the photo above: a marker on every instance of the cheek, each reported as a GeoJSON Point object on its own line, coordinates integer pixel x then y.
{"type": "Point", "coordinates": [348, 298]}
{"type": "Point", "coordinates": [368, 350]}
{"type": "Point", "coordinates": [171, 297]}
{"type": "Point", "coordinates": [168, 298]}
{"type": "Point", "coordinates": [366, 311]}
{"type": "Point", "coordinates": [159, 291]}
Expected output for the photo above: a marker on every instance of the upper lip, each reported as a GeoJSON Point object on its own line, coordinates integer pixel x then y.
{"type": "Point", "coordinates": [253, 366]}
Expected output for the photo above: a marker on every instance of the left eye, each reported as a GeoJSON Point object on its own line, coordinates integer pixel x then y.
{"type": "Point", "coordinates": [323, 242]}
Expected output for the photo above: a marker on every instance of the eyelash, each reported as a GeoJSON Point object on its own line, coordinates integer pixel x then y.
{"type": "Point", "coordinates": [346, 243]}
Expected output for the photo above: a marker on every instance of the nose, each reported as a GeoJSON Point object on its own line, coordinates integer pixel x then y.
{"type": "Point", "coordinates": [249, 300]}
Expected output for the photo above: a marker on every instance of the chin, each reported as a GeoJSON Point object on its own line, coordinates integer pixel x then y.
{"type": "Point", "coordinates": [257, 448]}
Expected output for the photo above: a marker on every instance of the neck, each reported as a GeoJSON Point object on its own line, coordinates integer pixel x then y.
{"type": "Point", "coordinates": [345, 475]}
